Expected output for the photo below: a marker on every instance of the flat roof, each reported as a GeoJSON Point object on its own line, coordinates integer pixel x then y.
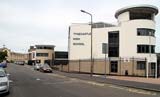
{"type": "Point", "coordinates": [148, 8]}
{"type": "Point", "coordinates": [45, 46]}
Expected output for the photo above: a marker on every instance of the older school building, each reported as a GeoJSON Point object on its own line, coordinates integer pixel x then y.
{"type": "Point", "coordinates": [124, 49]}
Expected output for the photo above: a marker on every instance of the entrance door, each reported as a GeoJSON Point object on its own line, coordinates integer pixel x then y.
{"type": "Point", "coordinates": [114, 66]}
{"type": "Point", "coordinates": [152, 66]}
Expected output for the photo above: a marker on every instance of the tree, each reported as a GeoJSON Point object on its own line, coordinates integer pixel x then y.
{"type": "Point", "coordinates": [3, 55]}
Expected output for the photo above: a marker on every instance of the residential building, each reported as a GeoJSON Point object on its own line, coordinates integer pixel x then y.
{"type": "Point", "coordinates": [127, 48]}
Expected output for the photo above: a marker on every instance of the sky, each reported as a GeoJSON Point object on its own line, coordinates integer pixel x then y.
{"type": "Point", "coordinates": [29, 22]}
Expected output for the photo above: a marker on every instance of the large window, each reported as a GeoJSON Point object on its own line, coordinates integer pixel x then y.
{"type": "Point", "coordinates": [140, 15]}
{"type": "Point", "coordinates": [114, 66]}
{"type": "Point", "coordinates": [113, 44]}
{"type": "Point", "coordinates": [141, 65]}
{"type": "Point", "coordinates": [145, 48]}
{"type": "Point", "coordinates": [61, 54]}
{"type": "Point", "coordinates": [152, 48]}
{"type": "Point", "coordinates": [145, 32]}
{"type": "Point", "coordinates": [42, 54]}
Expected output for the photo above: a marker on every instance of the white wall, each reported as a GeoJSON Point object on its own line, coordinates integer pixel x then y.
{"type": "Point", "coordinates": [129, 38]}
{"type": "Point", "coordinates": [80, 51]}
{"type": "Point", "coordinates": [99, 36]}
{"type": "Point", "coordinates": [123, 17]}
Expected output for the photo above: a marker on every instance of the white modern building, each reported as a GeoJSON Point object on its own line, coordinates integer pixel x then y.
{"type": "Point", "coordinates": [131, 41]}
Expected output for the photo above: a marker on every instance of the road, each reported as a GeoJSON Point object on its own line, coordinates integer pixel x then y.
{"type": "Point", "coordinates": [30, 83]}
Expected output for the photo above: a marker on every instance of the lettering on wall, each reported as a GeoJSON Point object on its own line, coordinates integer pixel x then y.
{"type": "Point", "coordinates": [77, 38]}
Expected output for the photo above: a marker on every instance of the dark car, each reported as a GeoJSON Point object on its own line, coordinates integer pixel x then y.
{"type": "Point", "coordinates": [45, 68]}
{"type": "Point", "coordinates": [3, 64]}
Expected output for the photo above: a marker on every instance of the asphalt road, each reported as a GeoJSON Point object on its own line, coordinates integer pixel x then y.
{"type": "Point", "coordinates": [30, 83]}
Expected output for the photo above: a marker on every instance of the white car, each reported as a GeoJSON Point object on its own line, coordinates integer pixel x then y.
{"type": "Point", "coordinates": [4, 82]}
{"type": "Point", "coordinates": [37, 66]}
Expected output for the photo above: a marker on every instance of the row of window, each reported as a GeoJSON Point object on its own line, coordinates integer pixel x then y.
{"type": "Point", "coordinates": [45, 48]}
{"type": "Point", "coordinates": [145, 32]}
{"type": "Point", "coordinates": [42, 54]}
{"type": "Point", "coordinates": [141, 15]}
{"type": "Point", "coordinates": [141, 65]}
{"type": "Point", "coordinates": [140, 49]}
{"type": "Point", "coordinates": [145, 48]}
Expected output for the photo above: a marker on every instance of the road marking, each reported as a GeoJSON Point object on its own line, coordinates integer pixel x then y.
{"type": "Point", "coordinates": [96, 75]}
{"type": "Point", "coordinates": [112, 86]}
{"type": "Point", "coordinates": [38, 79]}
{"type": "Point", "coordinates": [138, 91]}
{"type": "Point", "coordinates": [91, 82]}
{"type": "Point", "coordinates": [95, 83]}
{"type": "Point", "coordinates": [141, 91]}
{"type": "Point", "coordinates": [57, 75]}
{"type": "Point", "coordinates": [63, 82]}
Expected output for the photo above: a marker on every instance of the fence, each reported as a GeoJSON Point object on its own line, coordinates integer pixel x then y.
{"type": "Point", "coordinates": [125, 66]}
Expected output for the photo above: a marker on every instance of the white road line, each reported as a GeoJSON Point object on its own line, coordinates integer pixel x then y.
{"type": "Point", "coordinates": [38, 79]}
{"type": "Point", "coordinates": [138, 91]}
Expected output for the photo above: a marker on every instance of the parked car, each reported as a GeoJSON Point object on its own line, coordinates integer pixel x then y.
{"type": "Point", "coordinates": [3, 64]}
{"type": "Point", "coordinates": [45, 68]}
{"type": "Point", "coordinates": [37, 66]}
{"type": "Point", "coordinates": [19, 62]}
{"type": "Point", "coordinates": [4, 81]}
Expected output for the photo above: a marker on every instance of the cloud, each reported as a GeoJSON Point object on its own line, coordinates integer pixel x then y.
{"type": "Point", "coordinates": [28, 22]}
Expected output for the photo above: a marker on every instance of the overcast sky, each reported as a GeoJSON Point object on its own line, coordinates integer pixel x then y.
{"type": "Point", "coordinates": [29, 22]}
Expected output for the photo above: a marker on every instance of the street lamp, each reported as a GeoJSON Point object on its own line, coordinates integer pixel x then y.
{"type": "Point", "coordinates": [91, 41]}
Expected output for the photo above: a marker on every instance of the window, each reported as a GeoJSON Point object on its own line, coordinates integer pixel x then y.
{"type": "Point", "coordinates": [141, 65]}
{"type": "Point", "coordinates": [140, 15]}
{"type": "Point", "coordinates": [33, 55]}
{"type": "Point", "coordinates": [42, 54]}
{"type": "Point", "coordinates": [145, 32]}
{"type": "Point", "coordinates": [61, 55]}
{"type": "Point", "coordinates": [113, 44]}
{"type": "Point", "coordinates": [145, 48]}
{"type": "Point", "coordinates": [152, 48]}
{"type": "Point", "coordinates": [41, 47]}
{"type": "Point", "coordinates": [153, 65]}
{"type": "Point", "coordinates": [104, 48]}
{"type": "Point", "coordinates": [114, 66]}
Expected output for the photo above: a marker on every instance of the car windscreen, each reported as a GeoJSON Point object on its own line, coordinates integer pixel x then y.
{"type": "Point", "coordinates": [46, 66]}
{"type": "Point", "coordinates": [2, 74]}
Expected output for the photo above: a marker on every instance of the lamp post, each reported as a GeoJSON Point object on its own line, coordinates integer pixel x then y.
{"type": "Point", "coordinates": [91, 41]}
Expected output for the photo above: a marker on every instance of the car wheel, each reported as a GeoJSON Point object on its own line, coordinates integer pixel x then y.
{"type": "Point", "coordinates": [7, 93]}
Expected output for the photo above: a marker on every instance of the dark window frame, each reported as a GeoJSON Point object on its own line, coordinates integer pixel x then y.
{"type": "Point", "coordinates": [113, 44]}
{"type": "Point", "coordinates": [42, 54]}
{"type": "Point", "coordinates": [142, 48]}
{"type": "Point", "coordinates": [145, 32]}
{"type": "Point", "coordinates": [114, 66]}
{"type": "Point", "coordinates": [141, 65]}
{"type": "Point", "coordinates": [140, 15]}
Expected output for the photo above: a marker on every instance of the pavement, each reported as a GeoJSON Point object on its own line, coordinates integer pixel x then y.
{"type": "Point", "coordinates": [150, 84]}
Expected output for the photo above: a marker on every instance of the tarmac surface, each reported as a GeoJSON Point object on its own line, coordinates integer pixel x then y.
{"type": "Point", "coordinates": [27, 82]}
